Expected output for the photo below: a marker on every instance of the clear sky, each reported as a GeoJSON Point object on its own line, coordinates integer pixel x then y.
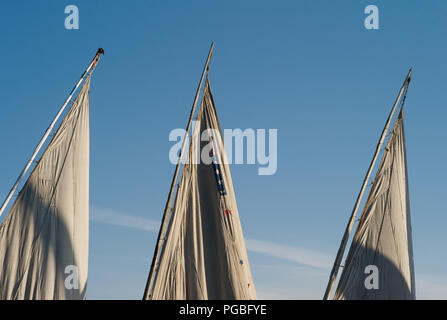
{"type": "Point", "coordinates": [307, 68]}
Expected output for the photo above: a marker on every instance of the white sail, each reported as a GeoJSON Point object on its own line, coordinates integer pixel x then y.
{"type": "Point", "coordinates": [383, 236]}
{"type": "Point", "coordinates": [204, 254]}
{"type": "Point", "coordinates": [44, 237]}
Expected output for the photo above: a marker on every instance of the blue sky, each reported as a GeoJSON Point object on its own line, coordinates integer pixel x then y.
{"type": "Point", "coordinates": [307, 68]}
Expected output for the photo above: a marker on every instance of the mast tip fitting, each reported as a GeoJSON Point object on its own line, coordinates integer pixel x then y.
{"type": "Point", "coordinates": [101, 51]}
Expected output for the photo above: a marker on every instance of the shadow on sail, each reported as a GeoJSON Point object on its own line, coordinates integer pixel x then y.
{"type": "Point", "coordinates": [383, 238]}
{"type": "Point", "coordinates": [387, 282]}
{"type": "Point", "coordinates": [39, 247]}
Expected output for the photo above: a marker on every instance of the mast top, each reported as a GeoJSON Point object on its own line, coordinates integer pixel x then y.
{"type": "Point", "coordinates": [210, 55]}
{"type": "Point", "coordinates": [409, 75]}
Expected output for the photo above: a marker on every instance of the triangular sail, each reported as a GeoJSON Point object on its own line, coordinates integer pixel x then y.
{"type": "Point", "coordinates": [204, 254]}
{"type": "Point", "coordinates": [383, 236]}
{"type": "Point", "coordinates": [44, 237]}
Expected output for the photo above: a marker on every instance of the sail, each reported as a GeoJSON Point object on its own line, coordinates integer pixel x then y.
{"type": "Point", "coordinates": [44, 237]}
{"type": "Point", "coordinates": [383, 237]}
{"type": "Point", "coordinates": [204, 254]}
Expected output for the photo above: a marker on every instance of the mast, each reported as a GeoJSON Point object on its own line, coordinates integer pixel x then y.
{"type": "Point", "coordinates": [344, 241]}
{"type": "Point", "coordinates": [174, 179]}
{"type": "Point", "coordinates": [91, 67]}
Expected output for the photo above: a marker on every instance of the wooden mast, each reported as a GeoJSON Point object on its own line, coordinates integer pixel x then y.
{"type": "Point", "coordinates": [345, 238]}
{"type": "Point", "coordinates": [147, 291]}
{"type": "Point", "coordinates": [91, 67]}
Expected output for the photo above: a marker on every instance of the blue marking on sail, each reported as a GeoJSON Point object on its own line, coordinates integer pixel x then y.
{"type": "Point", "coordinates": [218, 175]}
